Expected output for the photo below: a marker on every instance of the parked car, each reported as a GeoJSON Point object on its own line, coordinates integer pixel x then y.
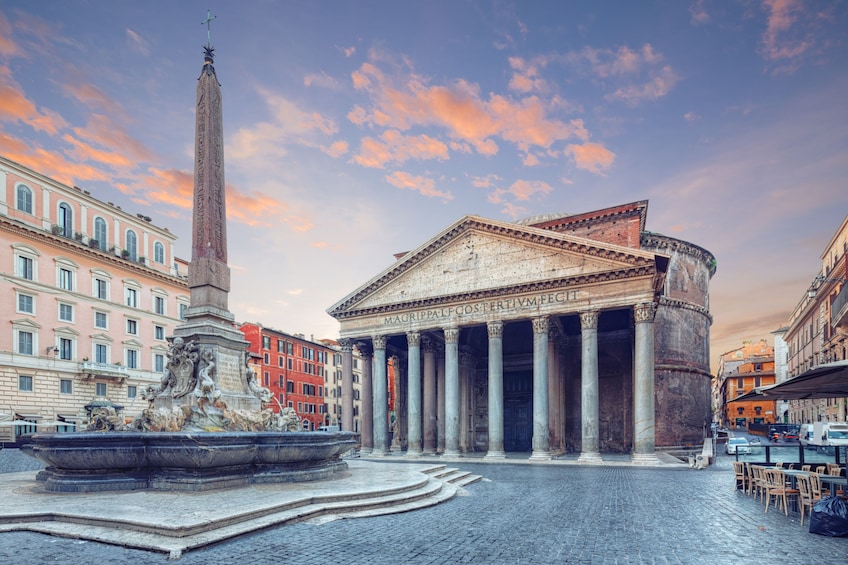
{"type": "Point", "coordinates": [737, 445]}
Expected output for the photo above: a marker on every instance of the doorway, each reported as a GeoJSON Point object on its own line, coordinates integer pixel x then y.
{"type": "Point", "coordinates": [518, 411]}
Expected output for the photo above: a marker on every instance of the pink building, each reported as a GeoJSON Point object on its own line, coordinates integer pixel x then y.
{"type": "Point", "coordinates": [91, 293]}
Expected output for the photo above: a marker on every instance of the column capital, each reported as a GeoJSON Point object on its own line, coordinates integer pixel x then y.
{"type": "Point", "coordinates": [540, 325]}
{"type": "Point", "coordinates": [495, 328]}
{"type": "Point", "coordinates": [451, 335]}
{"type": "Point", "coordinates": [589, 320]}
{"type": "Point", "coordinates": [413, 339]}
{"type": "Point", "coordinates": [346, 344]}
{"type": "Point", "coordinates": [428, 344]}
{"type": "Point", "coordinates": [645, 312]}
{"type": "Point", "coordinates": [379, 342]}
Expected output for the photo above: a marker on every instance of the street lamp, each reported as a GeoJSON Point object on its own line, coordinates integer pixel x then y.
{"type": "Point", "coordinates": [817, 283]}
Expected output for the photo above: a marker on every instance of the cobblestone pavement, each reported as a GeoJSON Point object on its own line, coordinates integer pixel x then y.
{"type": "Point", "coordinates": [518, 514]}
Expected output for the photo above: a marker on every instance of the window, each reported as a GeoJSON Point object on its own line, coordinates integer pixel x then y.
{"type": "Point", "coordinates": [266, 342]}
{"type": "Point", "coordinates": [289, 363]}
{"type": "Point", "coordinates": [100, 389]}
{"type": "Point", "coordinates": [100, 233]}
{"type": "Point", "coordinates": [132, 297]}
{"type": "Point", "coordinates": [66, 279]}
{"type": "Point", "coordinates": [159, 305]}
{"type": "Point", "coordinates": [101, 353]}
{"type": "Point", "coordinates": [132, 245]}
{"type": "Point", "coordinates": [23, 200]}
{"type": "Point", "coordinates": [266, 379]}
{"type": "Point", "coordinates": [132, 327]}
{"type": "Point", "coordinates": [183, 308]}
{"type": "Point", "coordinates": [132, 359]}
{"type": "Point", "coordinates": [159, 332]}
{"type": "Point", "coordinates": [101, 287]}
{"type": "Point", "coordinates": [266, 358]}
{"type": "Point", "coordinates": [66, 312]}
{"type": "Point", "coordinates": [66, 348]}
{"type": "Point", "coordinates": [26, 304]}
{"type": "Point", "coordinates": [280, 360]}
{"type": "Point", "coordinates": [101, 320]}
{"type": "Point", "coordinates": [159, 363]}
{"type": "Point", "coordinates": [66, 386]}
{"type": "Point", "coordinates": [66, 220]}
{"type": "Point", "coordinates": [289, 386]}
{"type": "Point", "coordinates": [159, 253]}
{"type": "Point", "coordinates": [280, 346]}
{"type": "Point", "coordinates": [25, 267]}
{"type": "Point", "coordinates": [25, 342]}
{"type": "Point", "coordinates": [132, 391]}
{"type": "Point", "coordinates": [24, 383]}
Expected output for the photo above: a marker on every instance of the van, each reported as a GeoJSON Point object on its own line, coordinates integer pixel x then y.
{"type": "Point", "coordinates": [805, 435]}
{"type": "Point", "coordinates": [328, 429]}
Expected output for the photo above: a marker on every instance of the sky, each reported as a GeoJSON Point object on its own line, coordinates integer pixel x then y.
{"type": "Point", "coordinates": [356, 130]}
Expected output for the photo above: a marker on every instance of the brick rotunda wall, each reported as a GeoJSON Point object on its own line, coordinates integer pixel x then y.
{"type": "Point", "coordinates": [682, 342]}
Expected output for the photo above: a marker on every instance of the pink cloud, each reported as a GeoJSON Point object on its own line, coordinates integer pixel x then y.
{"type": "Point", "coordinates": [698, 13]}
{"type": "Point", "coordinates": [394, 147]}
{"type": "Point", "coordinates": [513, 211]}
{"type": "Point", "coordinates": [336, 149]}
{"type": "Point", "coordinates": [524, 189]}
{"type": "Point", "coordinates": [459, 108]}
{"type": "Point", "coordinates": [782, 15]}
{"type": "Point", "coordinates": [85, 152]}
{"type": "Point", "coordinates": [15, 106]}
{"type": "Point", "coordinates": [8, 47]}
{"type": "Point", "coordinates": [592, 157]}
{"type": "Point", "coordinates": [137, 43]}
{"type": "Point", "coordinates": [659, 85]}
{"type": "Point", "coordinates": [423, 185]}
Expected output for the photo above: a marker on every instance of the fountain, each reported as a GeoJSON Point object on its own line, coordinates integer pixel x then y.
{"type": "Point", "coordinates": [209, 424]}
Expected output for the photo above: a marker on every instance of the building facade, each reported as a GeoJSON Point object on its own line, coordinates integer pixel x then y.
{"type": "Point", "coordinates": [558, 333]}
{"type": "Point", "coordinates": [91, 293]}
{"type": "Point", "coordinates": [741, 370]}
{"type": "Point", "coordinates": [293, 369]}
{"type": "Point", "coordinates": [818, 329]}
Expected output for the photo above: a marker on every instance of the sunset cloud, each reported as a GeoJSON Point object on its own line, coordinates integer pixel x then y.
{"type": "Point", "coordinates": [460, 109]}
{"type": "Point", "coordinates": [85, 152]}
{"type": "Point", "coordinates": [423, 185]}
{"type": "Point", "coordinates": [8, 48]}
{"type": "Point", "coordinates": [16, 107]}
{"type": "Point", "coordinates": [657, 87]}
{"type": "Point", "coordinates": [394, 147]}
{"type": "Point", "coordinates": [137, 43]}
{"type": "Point", "coordinates": [336, 149]}
{"type": "Point", "coordinates": [592, 157]}
{"type": "Point", "coordinates": [524, 189]}
{"type": "Point", "coordinates": [778, 44]}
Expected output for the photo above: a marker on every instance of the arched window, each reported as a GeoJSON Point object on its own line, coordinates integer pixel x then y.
{"type": "Point", "coordinates": [66, 220]}
{"type": "Point", "coordinates": [24, 199]}
{"type": "Point", "coordinates": [132, 245]}
{"type": "Point", "coordinates": [100, 232]}
{"type": "Point", "coordinates": [159, 253]}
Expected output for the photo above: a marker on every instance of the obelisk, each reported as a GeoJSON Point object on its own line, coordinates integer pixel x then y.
{"type": "Point", "coordinates": [208, 323]}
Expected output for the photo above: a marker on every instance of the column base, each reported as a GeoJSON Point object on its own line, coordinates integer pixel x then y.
{"type": "Point", "coordinates": [366, 450]}
{"type": "Point", "coordinates": [541, 456]}
{"type": "Point", "coordinates": [413, 454]}
{"type": "Point", "coordinates": [495, 455]}
{"type": "Point", "coordinates": [452, 453]}
{"type": "Point", "coordinates": [379, 452]}
{"type": "Point", "coordinates": [590, 458]}
{"type": "Point", "coordinates": [644, 459]}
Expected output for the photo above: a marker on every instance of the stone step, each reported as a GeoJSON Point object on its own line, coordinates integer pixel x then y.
{"type": "Point", "coordinates": [420, 488]}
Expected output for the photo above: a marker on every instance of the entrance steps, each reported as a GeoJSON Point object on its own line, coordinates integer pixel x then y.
{"type": "Point", "coordinates": [175, 523]}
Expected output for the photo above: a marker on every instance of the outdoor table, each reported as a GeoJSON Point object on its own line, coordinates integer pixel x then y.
{"type": "Point", "coordinates": [832, 481]}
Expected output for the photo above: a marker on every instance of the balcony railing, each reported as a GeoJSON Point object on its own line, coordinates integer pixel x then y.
{"type": "Point", "coordinates": [103, 370]}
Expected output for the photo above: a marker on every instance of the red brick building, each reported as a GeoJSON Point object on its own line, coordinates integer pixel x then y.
{"type": "Point", "coordinates": [742, 370]}
{"type": "Point", "coordinates": [293, 368]}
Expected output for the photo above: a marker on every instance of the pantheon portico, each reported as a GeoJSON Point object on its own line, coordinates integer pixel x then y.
{"type": "Point", "coordinates": [565, 333]}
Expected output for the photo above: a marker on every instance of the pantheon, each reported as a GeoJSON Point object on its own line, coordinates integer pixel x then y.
{"type": "Point", "coordinates": [564, 333]}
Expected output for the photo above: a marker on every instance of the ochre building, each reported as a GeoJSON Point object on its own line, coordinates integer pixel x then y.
{"type": "Point", "coordinates": [564, 333]}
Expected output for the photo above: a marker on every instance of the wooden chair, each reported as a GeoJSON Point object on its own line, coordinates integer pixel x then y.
{"type": "Point", "coordinates": [741, 480]}
{"type": "Point", "coordinates": [776, 488]}
{"type": "Point", "coordinates": [805, 495]}
{"type": "Point", "coordinates": [821, 469]}
{"type": "Point", "coordinates": [758, 485]}
{"type": "Point", "coordinates": [749, 475]}
{"type": "Point", "coordinates": [806, 467]}
{"type": "Point", "coordinates": [816, 488]}
{"type": "Point", "coordinates": [834, 469]}
{"type": "Point", "coordinates": [778, 465]}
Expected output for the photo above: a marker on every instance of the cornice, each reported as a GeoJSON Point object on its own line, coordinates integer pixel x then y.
{"type": "Point", "coordinates": [480, 295]}
{"type": "Point", "coordinates": [638, 209]}
{"type": "Point", "coordinates": [658, 241]}
{"type": "Point", "coordinates": [685, 305]}
{"type": "Point", "coordinates": [515, 232]}
{"type": "Point", "coordinates": [33, 234]}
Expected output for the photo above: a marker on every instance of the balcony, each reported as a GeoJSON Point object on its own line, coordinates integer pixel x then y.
{"type": "Point", "coordinates": [91, 370]}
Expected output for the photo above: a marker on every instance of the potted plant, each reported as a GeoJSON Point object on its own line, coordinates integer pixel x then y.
{"type": "Point", "coordinates": [78, 236]}
{"type": "Point", "coordinates": [93, 243]}
{"type": "Point", "coordinates": [56, 229]}
{"type": "Point", "coordinates": [125, 254]}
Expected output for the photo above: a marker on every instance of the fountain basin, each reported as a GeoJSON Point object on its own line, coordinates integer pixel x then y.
{"type": "Point", "coordinates": [180, 461]}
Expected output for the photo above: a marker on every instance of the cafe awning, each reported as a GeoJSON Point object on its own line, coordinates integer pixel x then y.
{"type": "Point", "coordinates": [825, 381]}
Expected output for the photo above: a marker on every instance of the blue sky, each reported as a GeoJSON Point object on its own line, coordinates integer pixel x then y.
{"type": "Point", "coordinates": [355, 130]}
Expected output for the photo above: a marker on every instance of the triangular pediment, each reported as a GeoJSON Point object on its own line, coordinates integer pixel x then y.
{"type": "Point", "coordinates": [476, 256]}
